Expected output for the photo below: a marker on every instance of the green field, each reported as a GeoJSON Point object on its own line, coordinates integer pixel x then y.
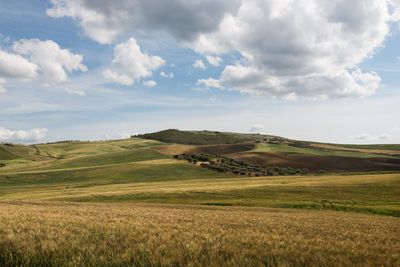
{"type": "Point", "coordinates": [309, 150]}
{"type": "Point", "coordinates": [62, 188]}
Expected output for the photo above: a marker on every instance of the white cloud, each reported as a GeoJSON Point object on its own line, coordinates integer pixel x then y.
{"type": "Point", "coordinates": [199, 64]}
{"type": "Point", "coordinates": [34, 59]}
{"type": "Point", "coordinates": [210, 83]}
{"type": "Point", "coordinates": [149, 84]}
{"type": "Point", "coordinates": [257, 128]}
{"type": "Point", "coordinates": [32, 135]}
{"type": "Point", "coordinates": [53, 61]}
{"type": "Point", "coordinates": [309, 48]}
{"type": "Point", "coordinates": [351, 82]}
{"type": "Point", "coordinates": [15, 66]}
{"type": "Point", "coordinates": [104, 21]}
{"type": "Point", "coordinates": [214, 60]}
{"type": "Point", "coordinates": [117, 78]}
{"type": "Point", "coordinates": [167, 75]}
{"type": "Point", "coordinates": [130, 64]}
{"type": "Point", "coordinates": [75, 92]}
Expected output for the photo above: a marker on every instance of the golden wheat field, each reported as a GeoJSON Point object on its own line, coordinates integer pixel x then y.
{"type": "Point", "coordinates": [71, 234]}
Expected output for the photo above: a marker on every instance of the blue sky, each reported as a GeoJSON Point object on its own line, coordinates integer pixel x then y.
{"type": "Point", "coordinates": [280, 80]}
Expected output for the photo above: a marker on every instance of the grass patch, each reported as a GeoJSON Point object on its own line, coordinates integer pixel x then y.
{"type": "Point", "coordinates": [292, 148]}
{"type": "Point", "coordinates": [126, 156]}
{"type": "Point", "coordinates": [6, 155]}
{"type": "Point", "coordinates": [86, 177]}
{"type": "Point", "coordinates": [181, 183]}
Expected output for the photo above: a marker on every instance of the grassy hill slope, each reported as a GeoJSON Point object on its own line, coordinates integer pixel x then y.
{"type": "Point", "coordinates": [142, 170]}
{"type": "Point", "coordinates": [5, 154]}
{"type": "Point", "coordinates": [130, 203]}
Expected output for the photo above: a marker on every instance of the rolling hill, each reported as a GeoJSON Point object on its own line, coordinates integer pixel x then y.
{"type": "Point", "coordinates": [122, 170]}
{"type": "Point", "coordinates": [204, 137]}
{"type": "Point", "coordinates": [131, 202]}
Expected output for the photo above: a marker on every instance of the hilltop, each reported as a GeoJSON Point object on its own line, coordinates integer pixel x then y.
{"type": "Point", "coordinates": [205, 137]}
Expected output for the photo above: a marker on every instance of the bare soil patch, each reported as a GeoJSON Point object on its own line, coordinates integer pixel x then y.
{"type": "Point", "coordinates": [317, 163]}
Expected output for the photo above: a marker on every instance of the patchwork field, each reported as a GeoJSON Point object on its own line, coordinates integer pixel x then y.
{"type": "Point", "coordinates": [129, 202]}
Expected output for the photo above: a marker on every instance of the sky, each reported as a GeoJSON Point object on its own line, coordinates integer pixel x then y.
{"type": "Point", "coordinates": [95, 69]}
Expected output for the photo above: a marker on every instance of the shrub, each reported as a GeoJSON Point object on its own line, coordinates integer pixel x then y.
{"type": "Point", "coordinates": [225, 164]}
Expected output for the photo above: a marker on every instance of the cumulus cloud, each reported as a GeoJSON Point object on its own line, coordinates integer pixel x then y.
{"type": "Point", "coordinates": [214, 60]}
{"type": "Point", "coordinates": [13, 66]}
{"type": "Point", "coordinates": [309, 48]}
{"type": "Point", "coordinates": [149, 84]}
{"type": "Point", "coordinates": [210, 83]}
{"type": "Point", "coordinates": [53, 61]}
{"type": "Point", "coordinates": [287, 48]}
{"type": "Point", "coordinates": [16, 66]}
{"type": "Point", "coordinates": [199, 64]}
{"type": "Point", "coordinates": [167, 75]}
{"type": "Point", "coordinates": [34, 59]}
{"type": "Point", "coordinates": [117, 78]}
{"type": "Point", "coordinates": [130, 64]}
{"type": "Point", "coordinates": [32, 135]}
{"type": "Point", "coordinates": [252, 80]}
{"type": "Point", "coordinates": [104, 21]}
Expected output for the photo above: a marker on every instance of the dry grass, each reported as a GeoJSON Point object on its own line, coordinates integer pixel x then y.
{"type": "Point", "coordinates": [161, 182]}
{"type": "Point", "coordinates": [60, 234]}
{"type": "Point", "coordinates": [197, 185]}
{"type": "Point", "coordinates": [175, 149]}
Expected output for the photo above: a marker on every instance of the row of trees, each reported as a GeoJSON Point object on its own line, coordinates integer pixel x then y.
{"type": "Point", "coordinates": [224, 164]}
